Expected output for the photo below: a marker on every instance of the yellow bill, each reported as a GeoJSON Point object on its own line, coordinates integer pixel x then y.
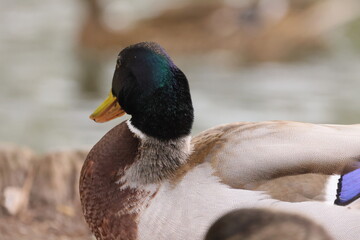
{"type": "Point", "coordinates": [108, 110]}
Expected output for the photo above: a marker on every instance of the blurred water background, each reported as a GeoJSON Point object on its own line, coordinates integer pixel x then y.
{"type": "Point", "coordinates": [245, 61]}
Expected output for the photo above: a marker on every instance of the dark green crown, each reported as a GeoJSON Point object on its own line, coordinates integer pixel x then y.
{"type": "Point", "coordinates": [150, 87]}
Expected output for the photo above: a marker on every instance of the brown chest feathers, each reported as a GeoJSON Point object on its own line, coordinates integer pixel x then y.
{"type": "Point", "coordinates": [109, 209]}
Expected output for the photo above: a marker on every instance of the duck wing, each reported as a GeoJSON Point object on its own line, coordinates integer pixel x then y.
{"type": "Point", "coordinates": [247, 154]}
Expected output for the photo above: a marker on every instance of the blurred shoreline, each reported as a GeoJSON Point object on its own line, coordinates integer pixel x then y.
{"type": "Point", "coordinates": [39, 194]}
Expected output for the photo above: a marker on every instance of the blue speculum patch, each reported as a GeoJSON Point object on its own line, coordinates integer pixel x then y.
{"type": "Point", "coordinates": [348, 188]}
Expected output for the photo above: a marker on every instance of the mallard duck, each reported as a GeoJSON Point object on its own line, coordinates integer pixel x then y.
{"type": "Point", "coordinates": [264, 224]}
{"type": "Point", "coordinates": [147, 179]}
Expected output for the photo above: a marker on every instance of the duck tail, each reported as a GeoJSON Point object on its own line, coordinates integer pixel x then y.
{"type": "Point", "coordinates": [348, 188]}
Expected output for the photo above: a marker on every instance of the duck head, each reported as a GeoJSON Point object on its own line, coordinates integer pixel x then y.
{"type": "Point", "coordinates": [148, 86]}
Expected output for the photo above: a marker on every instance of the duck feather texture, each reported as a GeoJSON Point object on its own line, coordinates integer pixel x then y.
{"type": "Point", "coordinates": [136, 186]}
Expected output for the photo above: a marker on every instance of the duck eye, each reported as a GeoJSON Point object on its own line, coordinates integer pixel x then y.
{"type": "Point", "coordinates": [118, 62]}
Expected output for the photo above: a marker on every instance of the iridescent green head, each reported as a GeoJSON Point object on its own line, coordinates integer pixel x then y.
{"type": "Point", "coordinates": [148, 86]}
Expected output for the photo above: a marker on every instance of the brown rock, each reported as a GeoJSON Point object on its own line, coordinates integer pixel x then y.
{"type": "Point", "coordinates": [57, 178]}
{"type": "Point", "coordinates": [16, 176]}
